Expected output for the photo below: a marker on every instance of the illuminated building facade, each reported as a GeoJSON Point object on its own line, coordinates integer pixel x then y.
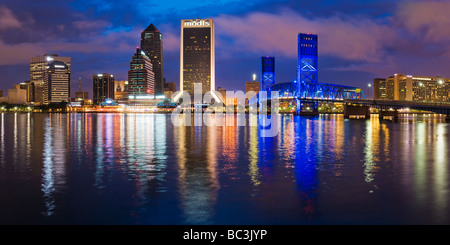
{"type": "Point", "coordinates": [38, 68]}
{"type": "Point", "coordinates": [252, 86]}
{"type": "Point", "coordinates": [412, 88]}
{"type": "Point", "coordinates": [307, 69]}
{"type": "Point", "coordinates": [141, 79]}
{"type": "Point", "coordinates": [56, 83]}
{"type": "Point", "coordinates": [81, 96]}
{"type": "Point", "coordinates": [197, 62]}
{"type": "Point", "coordinates": [120, 90]}
{"type": "Point", "coordinates": [223, 93]}
{"type": "Point", "coordinates": [152, 45]}
{"type": "Point", "coordinates": [103, 87]}
{"type": "Point", "coordinates": [267, 72]}
{"type": "Point", "coordinates": [379, 88]}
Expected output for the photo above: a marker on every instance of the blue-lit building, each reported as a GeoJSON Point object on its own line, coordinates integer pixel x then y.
{"type": "Point", "coordinates": [267, 72]}
{"type": "Point", "coordinates": [307, 70]}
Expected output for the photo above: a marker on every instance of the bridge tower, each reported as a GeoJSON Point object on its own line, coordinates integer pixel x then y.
{"type": "Point", "coordinates": [306, 69]}
{"type": "Point", "coordinates": [267, 72]}
{"type": "Point", "coordinates": [307, 58]}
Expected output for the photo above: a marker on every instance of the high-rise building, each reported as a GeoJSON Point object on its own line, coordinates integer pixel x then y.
{"type": "Point", "coordinates": [267, 72]}
{"type": "Point", "coordinates": [56, 83]}
{"type": "Point", "coordinates": [152, 45]}
{"type": "Point", "coordinates": [38, 68]}
{"type": "Point", "coordinates": [412, 88]}
{"type": "Point", "coordinates": [197, 61]}
{"type": "Point", "coordinates": [103, 87]}
{"type": "Point", "coordinates": [307, 58]}
{"type": "Point", "coordinates": [379, 88]}
{"type": "Point", "coordinates": [141, 79]}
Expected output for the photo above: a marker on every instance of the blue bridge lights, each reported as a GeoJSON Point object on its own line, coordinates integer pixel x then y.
{"type": "Point", "coordinates": [305, 88]}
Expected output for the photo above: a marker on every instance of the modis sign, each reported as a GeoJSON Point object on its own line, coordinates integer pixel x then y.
{"type": "Point", "coordinates": [196, 23]}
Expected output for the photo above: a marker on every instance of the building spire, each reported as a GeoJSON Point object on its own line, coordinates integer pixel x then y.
{"type": "Point", "coordinates": [151, 28]}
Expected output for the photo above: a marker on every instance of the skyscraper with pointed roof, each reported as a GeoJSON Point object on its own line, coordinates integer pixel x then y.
{"type": "Point", "coordinates": [152, 45]}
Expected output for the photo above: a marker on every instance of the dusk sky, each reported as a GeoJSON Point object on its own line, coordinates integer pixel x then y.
{"type": "Point", "coordinates": [358, 40]}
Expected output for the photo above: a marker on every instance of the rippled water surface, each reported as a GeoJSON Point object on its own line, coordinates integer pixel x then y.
{"type": "Point", "coordinates": [141, 169]}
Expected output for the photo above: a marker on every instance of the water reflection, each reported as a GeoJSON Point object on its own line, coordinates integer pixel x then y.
{"type": "Point", "coordinates": [253, 157]}
{"type": "Point", "coordinates": [440, 180]}
{"type": "Point", "coordinates": [54, 160]}
{"type": "Point", "coordinates": [197, 170]}
{"type": "Point", "coordinates": [139, 168]}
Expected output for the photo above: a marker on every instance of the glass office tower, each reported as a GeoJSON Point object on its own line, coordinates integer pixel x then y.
{"type": "Point", "coordinates": [197, 55]}
{"type": "Point", "coordinates": [152, 45]}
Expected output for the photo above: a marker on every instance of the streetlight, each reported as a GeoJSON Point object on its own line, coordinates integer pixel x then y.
{"type": "Point", "coordinates": [370, 85]}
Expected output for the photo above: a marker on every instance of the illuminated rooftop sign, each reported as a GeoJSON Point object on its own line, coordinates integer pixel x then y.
{"type": "Point", "coordinates": [197, 23]}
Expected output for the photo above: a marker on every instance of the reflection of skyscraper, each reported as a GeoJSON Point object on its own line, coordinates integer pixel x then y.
{"type": "Point", "coordinates": [141, 79]}
{"type": "Point", "coordinates": [197, 55]}
{"type": "Point", "coordinates": [56, 83]}
{"type": "Point", "coordinates": [267, 72]}
{"type": "Point", "coordinates": [38, 68]}
{"type": "Point", "coordinates": [307, 58]}
{"type": "Point", "coordinates": [103, 87]}
{"type": "Point", "coordinates": [152, 45]}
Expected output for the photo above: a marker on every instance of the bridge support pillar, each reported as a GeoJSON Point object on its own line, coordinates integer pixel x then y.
{"type": "Point", "coordinates": [447, 118]}
{"type": "Point", "coordinates": [388, 113]}
{"type": "Point", "coordinates": [356, 110]}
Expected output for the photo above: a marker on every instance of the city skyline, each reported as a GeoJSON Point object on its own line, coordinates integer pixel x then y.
{"type": "Point", "coordinates": [359, 42]}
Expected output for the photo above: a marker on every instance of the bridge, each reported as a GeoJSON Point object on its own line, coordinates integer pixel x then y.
{"type": "Point", "coordinates": [305, 92]}
{"type": "Point", "coordinates": [306, 96]}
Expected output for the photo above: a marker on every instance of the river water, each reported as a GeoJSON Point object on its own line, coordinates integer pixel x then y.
{"type": "Point", "coordinates": [142, 169]}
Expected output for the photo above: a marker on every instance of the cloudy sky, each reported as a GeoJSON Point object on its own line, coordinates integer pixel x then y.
{"type": "Point", "coordinates": [358, 40]}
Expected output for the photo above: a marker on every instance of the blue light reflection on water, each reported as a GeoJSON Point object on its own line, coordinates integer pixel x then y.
{"type": "Point", "coordinates": [140, 169]}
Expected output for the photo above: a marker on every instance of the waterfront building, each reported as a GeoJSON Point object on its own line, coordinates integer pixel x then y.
{"type": "Point", "coordinates": [222, 92]}
{"type": "Point", "coordinates": [197, 61]}
{"type": "Point", "coordinates": [252, 86]}
{"type": "Point", "coordinates": [169, 89]}
{"type": "Point", "coordinates": [307, 65]}
{"type": "Point", "coordinates": [16, 95]}
{"type": "Point", "coordinates": [267, 72]}
{"type": "Point", "coordinates": [152, 45]}
{"type": "Point", "coordinates": [120, 90]}
{"type": "Point", "coordinates": [103, 87]}
{"type": "Point", "coordinates": [38, 68]}
{"type": "Point", "coordinates": [27, 86]}
{"type": "Point", "coordinates": [56, 83]}
{"type": "Point", "coordinates": [412, 88]}
{"type": "Point", "coordinates": [141, 79]}
{"type": "Point", "coordinates": [80, 95]}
